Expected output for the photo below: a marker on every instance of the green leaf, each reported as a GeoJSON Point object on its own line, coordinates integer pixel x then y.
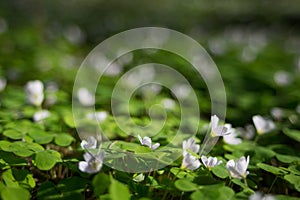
{"type": "Point", "coordinates": [45, 160]}
{"type": "Point", "coordinates": [238, 182]}
{"type": "Point", "coordinates": [40, 136]}
{"type": "Point", "coordinates": [13, 134]}
{"type": "Point", "coordinates": [208, 193]}
{"type": "Point", "coordinates": [63, 139]}
{"type": "Point", "coordinates": [5, 145]}
{"type": "Point", "coordinates": [24, 177]}
{"type": "Point", "coordinates": [24, 149]}
{"type": "Point", "coordinates": [220, 171]}
{"type": "Point", "coordinates": [285, 197]}
{"type": "Point", "coordinates": [72, 184]}
{"type": "Point", "coordinates": [293, 179]}
{"type": "Point", "coordinates": [10, 193]}
{"type": "Point", "coordinates": [9, 179]}
{"type": "Point", "coordinates": [100, 183]}
{"type": "Point", "coordinates": [264, 153]}
{"type": "Point", "coordinates": [179, 173]}
{"type": "Point", "coordinates": [287, 158]}
{"type": "Point", "coordinates": [294, 134]}
{"type": "Point", "coordinates": [295, 169]}
{"type": "Point", "coordinates": [118, 191]}
{"type": "Point", "coordinates": [271, 169]}
{"type": "Point", "coordinates": [10, 159]}
{"type": "Point", "coordinates": [186, 185]}
{"type": "Point", "coordinates": [47, 190]}
{"type": "Point", "coordinates": [68, 119]}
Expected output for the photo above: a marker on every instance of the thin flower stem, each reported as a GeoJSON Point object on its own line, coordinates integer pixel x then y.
{"type": "Point", "coordinates": [204, 145]}
{"type": "Point", "coordinates": [230, 183]}
{"type": "Point", "coordinates": [166, 191]}
{"type": "Point", "coordinates": [256, 138]}
{"type": "Point", "coordinates": [272, 184]}
{"type": "Point", "coordinates": [245, 181]}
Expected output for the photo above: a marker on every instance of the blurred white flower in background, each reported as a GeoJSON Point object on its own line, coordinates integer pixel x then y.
{"type": "Point", "coordinates": [168, 103]}
{"type": "Point", "coordinates": [74, 34]}
{"type": "Point", "coordinates": [125, 58]}
{"type": "Point", "coordinates": [85, 97]}
{"type": "Point", "coordinates": [247, 133]}
{"type": "Point", "coordinates": [260, 196]}
{"type": "Point", "coordinates": [181, 91]}
{"type": "Point", "coordinates": [217, 45]}
{"type": "Point", "coordinates": [282, 78]}
{"type": "Point", "coordinates": [3, 25]}
{"type": "Point", "coordinates": [277, 113]}
{"type": "Point", "coordinates": [41, 115]}
{"type": "Point", "coordinates": [2, 84]}
{"type": "Point", "coordinates": [149, 91]}
{"type": "Point", "coordinates": [99, 116]}
{"type": "Point", "coordinates": [210, 162]}
{"type": "Point", "coordinates": [51, 90]}
{"type": "Point", "coordinates": [298, 109]}
{"type": "Point", "coordinates": [231, 138]}
{"type": "Point", "coordinates": [262, 124]}
{"type": "Point", "coordinates": [218, 130]}
{"type": "Point", "coordinates": [35, 92]}
{"type": "Point", "coordinates": [238, 168]}
{"type": "Point", "coordinates": [100, 62]}
{"type": "Point", "coordinates": [146, 141]}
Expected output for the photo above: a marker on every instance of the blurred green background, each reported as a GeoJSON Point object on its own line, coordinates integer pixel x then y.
{"type": "Point", "coordinates": [255, 44]}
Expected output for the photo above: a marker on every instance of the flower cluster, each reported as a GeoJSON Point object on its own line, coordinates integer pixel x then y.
{"type": "Point", "coordinates": [236, 169]}
{"type": "Point", "coordinates": [190, 150]}
{"type": "Point", "coordinates": [93, 161]}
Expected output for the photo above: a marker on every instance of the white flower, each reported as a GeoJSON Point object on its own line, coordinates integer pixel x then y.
{"type": "Point", "coordinates": [247, 133]}
{"type": "Point", "coordinates": [41, 115]}
{"type": "Point", "coordinates": [190, 162]}
{"type": "Point", "coordinates": [282, 78]}
{"type": "Point", "coordinates": [168, 103]}
{"type": "Point", "coordinates": [51, 90]}
{"type": "Point", "coordinates": [190, 144]}
{"type": "Point", "coordinates": [85, 97]}
{"type": "Point", "coordinates": [277, 113]}
{"type": "Point", "coordinates": [35, 92]}
{"type": "Point", "coordinates": [231, 138]}
{"type": "Point", "coordinates": [263, 125]}
{"type": "Point", "coordinates": [238, 168]}
{"type": "Point", "coordinates": [99, 116]}
{"type": "Point", "coordinates": [91, 143]}
{"type": "Point", "coordinates": [217, 130]}
{"type": "Point", "coordinates": [260, 196]}
{"type": "Point", "coordinates": [146, 141]}
{"type": "Point", "coordinates": [298, 109]}
{"type": "Point", "coordinates": [2, 84]}
{"type": "Point", "coordinates": [210, 162]}
{"type": "Point", "coordinates": [92, 164]}
{"type": "Point", "coordinates": [181, 91]}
